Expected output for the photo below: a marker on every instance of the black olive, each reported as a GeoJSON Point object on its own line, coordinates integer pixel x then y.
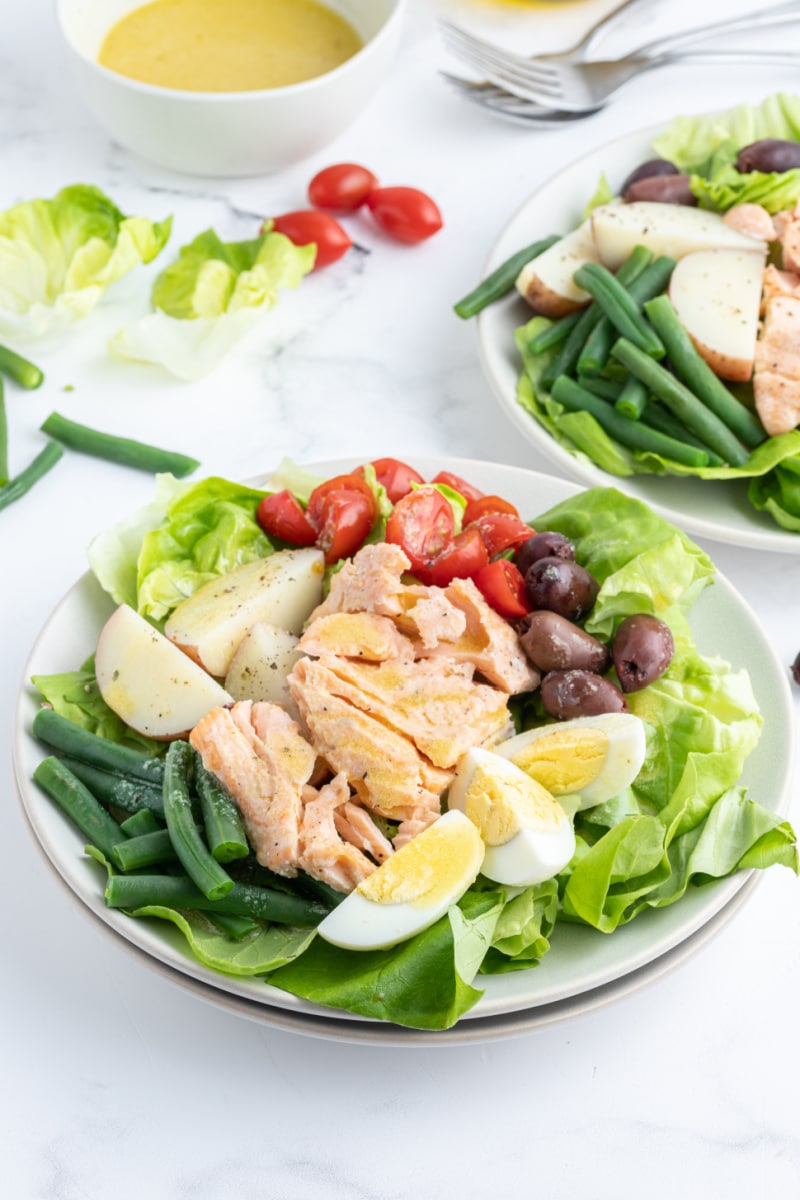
{"type": "Point", "coordinates": [561, 586]}
{"type": "Point", "coordinates": [661, 189]}
{"type": "Point", "coordinates": [768, 155]}
{"type": "Point", "coordinates": [569, 694]}
{"type": "Point", "coordinates": [653, 166]}
{"type": "Point", "coordinates": [642, 650]}
{"type": "Point", "coordinates": [546, 544]}
{"type": "Point", "coordinates": [552, 643]}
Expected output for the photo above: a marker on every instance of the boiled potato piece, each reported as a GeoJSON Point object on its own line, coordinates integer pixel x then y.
{"type": "Point", "coordinates": [546, 282]}
{"type": "Point", "coordinates": [716, 294]}
{"type": "Point", "coordinates": [148, 682]}
{"type": "Point", "coordinates": [673, 229]}
{"type": "Point", "coordinates": [260, 667]}
{"type": "Point", "coordinates": [282, 589]}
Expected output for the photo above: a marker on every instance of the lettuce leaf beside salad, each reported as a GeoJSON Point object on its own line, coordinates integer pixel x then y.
{"type": "Point", "coordinates": [58, 257]}
{"type": "Point", "coordinates": [684, 822]}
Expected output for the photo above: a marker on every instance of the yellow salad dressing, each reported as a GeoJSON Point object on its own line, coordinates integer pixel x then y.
{"type": "Point", "coordinates": [228, 45]}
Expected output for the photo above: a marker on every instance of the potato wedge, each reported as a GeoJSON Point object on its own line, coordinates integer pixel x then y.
{"type": "Point", "coordinates": [149, 682]}
{"type": "Point", "coordinates": [673, 229]}
{"type": "Point", "coordinates": [282, 590]}
{"type": "Point", "coordinates": [546, 282]}
{"type": "Point", "coordinates": [260, 667]}
{"type": "Point", "coordinates": [716, 294]}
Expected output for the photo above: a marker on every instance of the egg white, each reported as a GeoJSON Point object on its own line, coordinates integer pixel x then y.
{"type": "Point", "coordinates": [411, 890]}
{"type": "Point", "coordinates": [527, 834]}
{"type": "Point", "coordinates": [615, 751]}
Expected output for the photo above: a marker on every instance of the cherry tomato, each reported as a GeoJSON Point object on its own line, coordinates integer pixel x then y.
{"type": "Point", "coordinates": [465, 555]}
{"type": "Point", "coordinates": [339, 483]}
{"type": "Point", "coordinates": [345, 520]}
{"type": "Point", "coordinates": [422, 524]}
{"type": "Point", "coordinates": [307, 226]}
{"type": "Point", "coordinates": [501, 531]}
{"type": "Point", "coordinates": [343, 187]}
{"type": "Point", "coordinates": [280, 515]}
{"type": "Point", "coordinates": [488, 504]}
{"type": "Point", "coordinates": [397, 477]}
{"type": "Point", "coordinates": [404, 213]}
{"type": "Point", "coordinates": [458, 485]}
{"type": "Point", "coordinates": [503, 587]}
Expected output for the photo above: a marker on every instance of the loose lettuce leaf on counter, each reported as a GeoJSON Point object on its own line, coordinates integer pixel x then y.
{"type": "Point", "coordinates": [209, 297]}
{"type": "Point", "coordinates": [189, 535]}
{"type": "Point", "coordinates": [58, 257]}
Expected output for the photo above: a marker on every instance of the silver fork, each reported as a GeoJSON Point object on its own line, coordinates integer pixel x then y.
{"type": "Point", "coordinates": [559, 82]}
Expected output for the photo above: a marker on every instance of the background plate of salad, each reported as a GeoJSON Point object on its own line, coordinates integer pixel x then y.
{"type": "Point", "coordinates": [758, 507]}
{"type": "Point", "coordinates": [736, 690]}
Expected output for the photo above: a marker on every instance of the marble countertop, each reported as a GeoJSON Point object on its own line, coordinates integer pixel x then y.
{"type": "Point", "coordinates": [117, 1081]}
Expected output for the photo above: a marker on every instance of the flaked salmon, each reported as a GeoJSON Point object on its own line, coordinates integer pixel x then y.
{"type": "Point", "coordinates": [753, 220]}
{"type": "Point", "coordinates": [776, 378]}
{"type": "Point", "coordinates": [323, 853]}
{"type": "Point", "coordinates": [355, 825]}
{"type": "Point", "coordinates": [362, 635]}
{"type": "Point", "coordinates": [371, 581]}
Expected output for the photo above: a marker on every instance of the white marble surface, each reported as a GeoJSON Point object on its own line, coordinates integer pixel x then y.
{"type": "Point", "coordinates": [116, 1082]}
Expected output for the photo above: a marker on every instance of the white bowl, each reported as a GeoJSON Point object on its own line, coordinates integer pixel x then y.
{"type": "Point", "coordinates": [228, 133]}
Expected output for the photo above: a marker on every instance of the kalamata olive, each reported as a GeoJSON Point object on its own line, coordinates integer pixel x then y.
{"type": "Point", "coordinates": [552, 643]}
{"type": "Point", "coordinates": [561, 586]}
{"type": "Point", "coordinates": [641, 650]}
{"type": "Point", "coordinates": [653, 166]}
{"type": "Point", "coordinates": [545, 544]}
{"type": "Point", "coordinates": [568, 694]}
{"type": "Point", "coordinates": [662, 189]}
{"type": "Point", "coordinates": [796, 669]}
{"type": "Point", "coordinates": [767, 155]}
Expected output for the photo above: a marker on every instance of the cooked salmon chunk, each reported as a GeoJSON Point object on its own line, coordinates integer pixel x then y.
{"type": "Point", "coordinates": [258, 753]}
{"type": "Point", "coordinates": [362, 635]}
{"type": "Point", "coordinates": [371, 581]}
{"type": "Point", "coordinates": [753, 220]}
{"type": "Point", "coordinates": [323, 853]}
{"type": "Point", "coordinates": [355, 825]}
{"type": "Point", "coordinates": [776, 379]}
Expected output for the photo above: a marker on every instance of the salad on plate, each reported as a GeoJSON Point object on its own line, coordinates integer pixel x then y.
{"type": "Point", "coordinates": [374, 738]}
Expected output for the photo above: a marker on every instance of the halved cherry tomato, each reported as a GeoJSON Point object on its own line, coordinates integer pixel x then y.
{"type": "Point", "coordinates": [405, 213]}
{"type": "Point", "coordinates": [280, 515]}
{"type": "Point", "coordinates": [458, 485]}
{"type": "Point", "coordinates": [306, 226]}
{"type": "Point", "coordinates": [338, 483]}
{"type": "Point", "coordinates": [488, 504]}
{"type": "Point", "coordinates": [422, 524]}
{"type": "Point", "coordinates": [397, 477]}
{"type": "Point", "coordinates": [345, 519]}
{"type": "Point", "coordinates": [343, 187]}
{"type": "Point", "coordinates": [503, 587]}
{"type": "Point", "coordinates": [465, 555]}
{"type": "Point", "coordinates": [501, 531]}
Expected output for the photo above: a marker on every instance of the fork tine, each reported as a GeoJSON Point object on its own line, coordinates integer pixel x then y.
{"type": "Point", "coordinates": [483, 54]}
{"type": "Point", "coordinates": [504, 75]}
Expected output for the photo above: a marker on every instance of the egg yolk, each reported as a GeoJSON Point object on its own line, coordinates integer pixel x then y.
{"type": "Point", "coordinates": [500, 806]}
{"type": "Point", "coordinates": [427, 869]}
{"type": "Point", "coordinates": [565, 760]}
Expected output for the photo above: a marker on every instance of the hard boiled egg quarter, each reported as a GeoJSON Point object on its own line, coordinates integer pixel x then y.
{"type": "Point", "coordinates": [411, 890]}
{"type": "Point", "coordinates": [527, 834]}
{"type": "Point", "coordinates": [589, 759]}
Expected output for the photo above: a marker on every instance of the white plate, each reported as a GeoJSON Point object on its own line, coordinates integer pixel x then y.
{"type": "Point", "coordinates": [582, 963]}
{"type": "Point", "coordinates": [704, 508]}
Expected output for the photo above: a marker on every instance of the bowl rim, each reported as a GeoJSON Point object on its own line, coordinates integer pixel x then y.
{"type": "Point", "coordinates": [290, 89]}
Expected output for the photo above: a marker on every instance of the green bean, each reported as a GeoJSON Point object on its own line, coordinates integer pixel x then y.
{"type": "Point", "coordinates": [139, 822]}
{"type": "Point", "coordinates": [117, 449]}
{"type": "Point", "coordinates": [628, 432]}
{"type": "Point", "coordinates": [252, 872]}
{"type": "Point", "coordinates": [661, 418]}
{"type": "Point", "coordinates": [648, 282]}
{"type": "Point", "coordinates": [555, 334]}
{"type": "Point", "coordinates": [609, 389]}
{"type": "Point", "coordinates": [144, 850]}
{"type": "Point", "coordinates": [694, 371]}
{"type": "Point", "coordinates": [3, 436]}
{"type": "Point", "coordinates": [200, 866]}
{"type": "Point", "coordinates": [23, 372]}
{"type": "Point", "coordinates": [224, 827]}
{"type": "Point", "coordinates": [62, 734]}
{"type": "Point", "coordinates": [502, 279]}
{"type": "Point", "coordinates": [17, 487]}
{"type": "Point", "coordinates": [244, 900]}
{"type": "Point", "coordinates": [619, 306]}
{"type": "Point", "coordinates": [632, 399]}
{"type": "Point", "coordinates": [566, 360]}
{"type": "Point", "coordinates": [118, 791]}
{"type": "Point", "coordinates": [234, 927]}
{"type": "Point", "coordinates": [681, 402]}
{"type": "Point", "coordinates": [84, 809]}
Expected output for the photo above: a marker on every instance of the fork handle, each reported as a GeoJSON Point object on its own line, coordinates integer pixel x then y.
{"type": "Point", "coordinates": [777, 15]}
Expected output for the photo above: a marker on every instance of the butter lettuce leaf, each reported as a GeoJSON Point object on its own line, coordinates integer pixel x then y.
{"type": "Point", "coordinates": [692, 142]}
{"type": "Point", "coordinates": [209, 297]}
{"type": "Point", "coordinates": [76, 696]}
{"type": "Point", "coordinates": [58, 257]}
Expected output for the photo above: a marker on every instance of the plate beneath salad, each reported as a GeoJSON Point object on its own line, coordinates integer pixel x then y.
{"type": "Point", "coordinates": [583, 967]}
{"type": "Point", "coordinates": [715, 509]}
